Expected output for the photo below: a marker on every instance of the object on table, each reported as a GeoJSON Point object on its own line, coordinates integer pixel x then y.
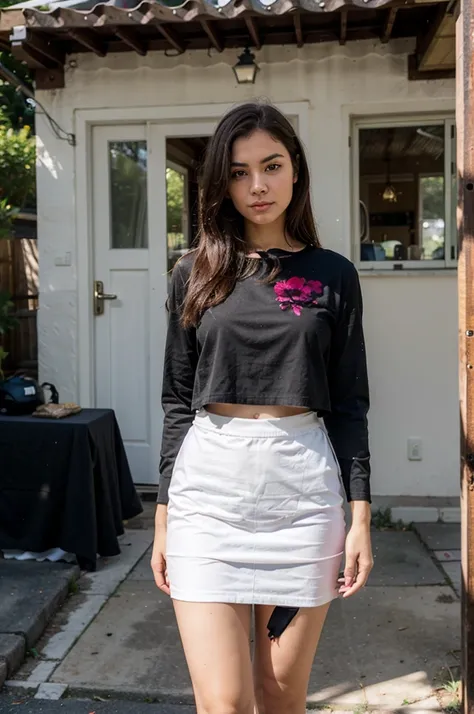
{"type": "Point", "coordinates": [56, 411]}
{"type": "Point", "coordinates": [20, 395]}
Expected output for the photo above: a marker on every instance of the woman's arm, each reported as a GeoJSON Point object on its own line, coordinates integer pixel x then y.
{"type": "Point", "coordinates": [349, 393]}
{"type": "Point", "coordinates": [177, 393]}
{"type": "Point", "coordinates": [178, 381]}
{"type": "Point", "coordinates": [347, 428]}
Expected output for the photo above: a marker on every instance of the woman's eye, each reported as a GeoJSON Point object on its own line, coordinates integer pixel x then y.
{"type": "Point", "coordinates": [238, 174]}
{"type": "Point", "coordinates": [273, 167]}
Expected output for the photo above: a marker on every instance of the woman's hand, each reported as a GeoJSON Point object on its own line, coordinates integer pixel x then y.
{"type": "Point", "coordinates": [158, 557]}
{"type": "Point", "coordinates": [359, 560]}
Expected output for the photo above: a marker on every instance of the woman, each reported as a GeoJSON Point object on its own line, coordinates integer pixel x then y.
{"type": "Point", "coordinates": [265, 340]}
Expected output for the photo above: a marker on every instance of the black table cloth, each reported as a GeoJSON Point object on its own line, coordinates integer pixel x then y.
{"type": "Point", "coordinates": [65, 483]}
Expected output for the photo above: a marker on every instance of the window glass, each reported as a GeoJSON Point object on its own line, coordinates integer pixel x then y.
{"type": "Point", "coordinates": [128, 194]}
{"type": "Point", "coordinates": [401, 182]}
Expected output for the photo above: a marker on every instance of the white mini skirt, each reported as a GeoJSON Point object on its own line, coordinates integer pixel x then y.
{"type": "Point", "coordinates": [256, 512]}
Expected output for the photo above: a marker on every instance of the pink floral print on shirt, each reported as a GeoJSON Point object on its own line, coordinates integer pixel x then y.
{"type": "Point", "coordinates": [297, 293]}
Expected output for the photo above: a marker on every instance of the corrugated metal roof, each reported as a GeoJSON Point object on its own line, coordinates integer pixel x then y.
{"type": "Point", "coordinates": [172, 10]}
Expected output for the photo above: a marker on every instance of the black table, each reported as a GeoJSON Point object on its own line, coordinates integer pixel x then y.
{"type": "Point", "coordinates": [65, 483]}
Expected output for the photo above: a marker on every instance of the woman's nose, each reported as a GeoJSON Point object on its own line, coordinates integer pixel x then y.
{"type": "Point", "coordinates": [258, 186]}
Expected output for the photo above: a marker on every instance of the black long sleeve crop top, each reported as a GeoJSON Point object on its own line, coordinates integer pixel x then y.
{"type": "Point", "coordinates": [297, 341]}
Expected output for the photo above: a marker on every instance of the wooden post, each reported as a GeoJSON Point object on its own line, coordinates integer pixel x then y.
{"type": "Point", "coordinates": [465, 160]}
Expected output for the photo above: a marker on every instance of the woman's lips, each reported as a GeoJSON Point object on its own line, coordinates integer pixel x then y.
{"type": "Point", "coordinates": [261, 207]}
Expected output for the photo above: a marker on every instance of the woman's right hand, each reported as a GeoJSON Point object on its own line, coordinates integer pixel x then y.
{"type": "Point", "coordinates": [158, 557]}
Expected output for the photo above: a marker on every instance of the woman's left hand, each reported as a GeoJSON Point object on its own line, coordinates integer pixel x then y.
{"type": "Point", "coordinates": [359, 560]}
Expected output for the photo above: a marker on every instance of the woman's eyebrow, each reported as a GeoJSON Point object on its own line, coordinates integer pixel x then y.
{"type": "Point", "coordinates": [263, 161]}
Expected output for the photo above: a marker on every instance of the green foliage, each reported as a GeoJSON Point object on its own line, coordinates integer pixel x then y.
{"type": "Point", "coordinates": [14, 106]}
{"type": "Point", "coordinates": [433, 196]}
{"type": "Point", "coordinates": [6, 218]}
{"type": "Point", "coordinates": [17, 166]}
{"type": "Point", "coordinates": [174, 200]}
{"type": "Point", "coordinates": [3, 356]}
{"type": "Point", "coordinates": [382, 520]}
{"type": "Point", "coordinates": [7, 322]}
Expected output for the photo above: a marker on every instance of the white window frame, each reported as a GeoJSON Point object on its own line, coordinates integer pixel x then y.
{"type": "Point", "coordinates": [446, 118]}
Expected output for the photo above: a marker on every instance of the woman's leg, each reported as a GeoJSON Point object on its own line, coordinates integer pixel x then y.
{"type": "Point", "coordinates": [282, 667]}
{"type": "Point", "coordinates": [215, 639]}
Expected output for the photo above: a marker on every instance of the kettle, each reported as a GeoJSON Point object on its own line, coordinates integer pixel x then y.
{"type": "Point", "coordinates": [20, 395]}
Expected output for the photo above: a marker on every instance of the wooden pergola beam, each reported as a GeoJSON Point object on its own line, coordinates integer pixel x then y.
{"type": "Point", "coordinates": [387, 31]}
{"type": "Point", "coordinates": [253, 32]}
{"type": "Point", "coordinates": [424, 39]}
{"type": "Point", "coordinates": [131, 39]}
{"type": "Point", "coordinates": [36, 51]}
{"type": "Point", "coordinates": [298, 30]}
{"type": "Point", "coordinates": [171, 36]}
{"type": "Point", "coordinates": [88, 39]}
{"type": "Point", "coordinates": [343, 27]}
{"type": "Point", "coordinates": [45, 48]}
{"type": "Point", "coordinates": [210, 31]}
{"type": "Point", "coordinates": [465, 213]}
{"type": "Point", "coordinates": [50, 78]}
{"type": "Point", "coordinates": [414, 73]}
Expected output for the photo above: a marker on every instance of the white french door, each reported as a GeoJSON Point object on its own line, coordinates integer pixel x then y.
{"type": "Point", "coordinates": [129, 316]}
{"type": "Point", "coordinates": [130, 257]}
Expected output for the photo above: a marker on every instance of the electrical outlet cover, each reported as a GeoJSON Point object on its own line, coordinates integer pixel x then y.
{"type": "Point", "coordinates": [414, 449]}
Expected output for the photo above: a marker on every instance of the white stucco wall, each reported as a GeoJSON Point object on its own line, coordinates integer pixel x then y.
{"type": "Point", "coordinates": [411, 320]}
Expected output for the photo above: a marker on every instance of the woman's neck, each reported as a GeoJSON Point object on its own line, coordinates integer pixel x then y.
{"type": "Point", "coordinates": [269, 236]}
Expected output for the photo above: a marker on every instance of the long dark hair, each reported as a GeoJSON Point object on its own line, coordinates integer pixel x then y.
{"type": "Point", "coordinates": [221, 256]}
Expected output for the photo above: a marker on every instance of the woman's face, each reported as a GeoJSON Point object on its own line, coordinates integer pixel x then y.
{"type": "Point", "coordinates": [262, 178]}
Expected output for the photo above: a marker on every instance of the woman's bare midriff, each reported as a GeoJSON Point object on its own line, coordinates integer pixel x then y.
{"type": "Point", "coordinates": [254, 411]}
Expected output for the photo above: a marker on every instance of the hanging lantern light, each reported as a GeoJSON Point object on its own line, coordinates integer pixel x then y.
{"type": "Point", "coordinates": [389, 193]}
{"type": "Point", "coordinates": [246, 70]}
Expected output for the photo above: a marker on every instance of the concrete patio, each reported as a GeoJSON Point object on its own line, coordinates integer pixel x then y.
{"type": "Point", "coordinates": [385, 649]}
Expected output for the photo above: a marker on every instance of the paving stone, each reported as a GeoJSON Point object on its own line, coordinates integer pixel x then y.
{"type": "Point", "coordinates": [61, 642]}
{"type": "Point", "coordinates": [42, 672]}
{"type": "Point", "coordinates": [414, 514]}
{"type": "Point", "coordinates": [51, 691]}
{"type": "Point", "coordinates": [3, 671]}
{"type": "Point", "coordinates": [447, 555]}
{"type": "Point", "coordinates": [30, 593]}
{"type": "Point", "coordinates": [12, 651]}
{"type": "Point", "coordinates": [453, 571]}
{"type": "Point", "coordinates": [112, 571]}
{"type": "Point", "coordinates": [400, 559]}
{"type": "Point", "coordinates": [139, 621]}
{"type": "Point", "coordinates": [440, 536]}
{"type": "Point", "coordinates": [143, 571]}
{"type": "Point", "coordinates": [450, 515]}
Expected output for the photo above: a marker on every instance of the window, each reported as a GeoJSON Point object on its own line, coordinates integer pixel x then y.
{"type": "Point", "coordinates": [404, 175]}
{"type": "Point", "coordinates": [128, 194]}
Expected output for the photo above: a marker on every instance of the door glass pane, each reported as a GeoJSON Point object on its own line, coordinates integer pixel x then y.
{"type": "Point", "coordinates": [128, 194]}
{"type": "Point", "coordinates": [176, 214]}
{"type": "Point", "coordinates": [401, 179]}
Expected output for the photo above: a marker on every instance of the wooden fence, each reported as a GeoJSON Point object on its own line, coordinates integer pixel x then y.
{"type": "Point", "coordinates": [19, 277]}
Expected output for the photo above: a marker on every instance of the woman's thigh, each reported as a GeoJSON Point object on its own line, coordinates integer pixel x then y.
{"type": "Point", "coordinates": [282, 667]}
{"type": "Point", "coordinates": [215, 639]}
